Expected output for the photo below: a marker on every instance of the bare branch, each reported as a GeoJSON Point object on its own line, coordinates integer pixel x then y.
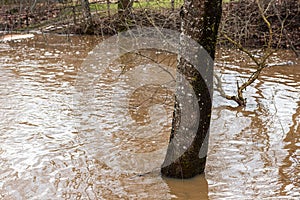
{"type": "Point", "coordinates": [241, 47]}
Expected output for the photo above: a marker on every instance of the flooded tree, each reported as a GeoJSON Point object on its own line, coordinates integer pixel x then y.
{"type": "Point", "coordinates": [200, 21]}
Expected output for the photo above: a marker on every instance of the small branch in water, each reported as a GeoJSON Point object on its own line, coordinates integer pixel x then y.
{"type": "Point", "coordinates": [224, 95]}
{"type": "Point", "coordinates": [239, 99]}
{"type": "Point", "coordinates": [259, 62]}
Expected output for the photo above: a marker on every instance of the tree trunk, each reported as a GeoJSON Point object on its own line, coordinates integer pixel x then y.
{"type": "Point", "coordinates": [86, 11]}
{"type": "Point", "coordinates": [124, 7]}
{"type": "Point", "coordinates": [173, 5]}
{"type": "Point", "coordinates": [108, 8]}
{"type": "Point", "coordinates": [124, 10]}
{"type": "Point", "coordinates": [200, 21]}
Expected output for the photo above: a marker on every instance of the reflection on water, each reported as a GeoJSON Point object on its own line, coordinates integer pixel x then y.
{"type": "Point", "coordinates": [193, 189]}
{"type": "Point", "coordinates": [63, 139]}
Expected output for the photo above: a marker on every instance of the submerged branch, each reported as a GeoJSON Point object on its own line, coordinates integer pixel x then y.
{"type": "Point", "coordinates": [259, 62]}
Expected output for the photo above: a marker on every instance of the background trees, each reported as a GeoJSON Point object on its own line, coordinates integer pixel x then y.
{"type": "Point", "coordinates": [241, 19]}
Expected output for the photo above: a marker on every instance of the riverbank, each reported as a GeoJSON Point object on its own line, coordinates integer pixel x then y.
{"type": "Point", "coordinates": [241, 21]}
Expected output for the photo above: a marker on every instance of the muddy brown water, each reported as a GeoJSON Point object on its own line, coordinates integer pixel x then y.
{"type": "Point", "coordinates": [67, 136]}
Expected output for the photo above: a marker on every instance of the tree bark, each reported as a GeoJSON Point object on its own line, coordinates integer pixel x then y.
{"type": "Point", "coordinates": [87, 14]}
{"type": "Point", "coordinates": [124, 10]}
{"type": "Point", "coordinates": [124, 7]}
{"type": "Point", "coordinates": [200, 21]}
{"type": "Point", "coordinates": [173, 5]}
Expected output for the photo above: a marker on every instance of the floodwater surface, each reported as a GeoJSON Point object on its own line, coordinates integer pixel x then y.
{"type": "Point", "coordinates": [68, 131]}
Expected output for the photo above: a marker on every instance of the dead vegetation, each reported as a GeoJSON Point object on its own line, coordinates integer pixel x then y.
{"type": "Point", "coordinates": [241, 19]}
